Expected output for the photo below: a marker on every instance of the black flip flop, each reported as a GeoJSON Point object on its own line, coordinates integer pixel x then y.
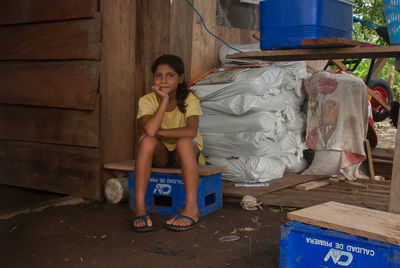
{"type": "Point", "coordinates": [175, 228]}
{"type": "Point", "coordinates": [143, 229]}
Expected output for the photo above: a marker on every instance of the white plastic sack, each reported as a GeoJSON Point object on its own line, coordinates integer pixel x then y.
{"type": "Point", "coordinates": [243, 103]}
{"type": "Point", "coordinates": [270, 123]}
{"type": "Point", "coordinates": [297, 124]}
{"type": "Point", "coordinates": [267, 80]}
{"type": "Point", "coordinates": [291, 150]}
{"type": "Point", "coordinates": [249, 169]}
{"type": "Point", "coordinates": [227, 145]}
{"type": "Point", "coordinates": [225, 50]}
{"type": "Point", "coordinates": [294, 165]}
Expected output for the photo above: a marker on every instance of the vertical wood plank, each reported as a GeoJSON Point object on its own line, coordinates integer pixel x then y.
{"type": "Point", "coordinates": [117, 79]}
{"type": "Point", "coordinates": [203, 44]}
{"type": "Point", "coordinates": [153, 40]}
{"type": "Point", "coordinates": [181, 33]}
{"type": "Point", "coordinates": [23, 11]}
{"type": "Point", "coordinates": [369, 159]}
{"type": "Point", "coordinates": [394, 204]}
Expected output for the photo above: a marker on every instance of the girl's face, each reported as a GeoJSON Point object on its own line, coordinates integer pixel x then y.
{"type": "Point", "coordinates": [167, 79]}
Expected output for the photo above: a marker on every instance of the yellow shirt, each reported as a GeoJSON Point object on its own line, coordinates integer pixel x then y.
{"type": "Point", "coordinates": [148, 105]}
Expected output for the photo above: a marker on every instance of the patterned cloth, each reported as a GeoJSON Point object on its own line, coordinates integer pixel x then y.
{"type": "Point", "coordinates": [337, 118]}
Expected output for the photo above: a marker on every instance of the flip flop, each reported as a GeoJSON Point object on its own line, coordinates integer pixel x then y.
{"type": "Point", "coordinates": [142, 229]}
{"type": "Point", "coordinates": [175, 228]}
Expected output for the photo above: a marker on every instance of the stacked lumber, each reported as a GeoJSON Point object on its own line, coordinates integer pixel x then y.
{"type": "Point", "coordinates": [383, 161]}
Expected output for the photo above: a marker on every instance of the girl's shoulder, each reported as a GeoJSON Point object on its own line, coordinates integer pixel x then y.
{"type": "Point", "coordinates": [191, 96]}
{"type": "Point", "coordinates": [149, 96]}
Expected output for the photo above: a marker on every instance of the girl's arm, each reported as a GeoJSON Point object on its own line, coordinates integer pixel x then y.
{"type": "Point", "coordinates": [151, 123]}
{"type": "Point", "coordinates": [190, 131]}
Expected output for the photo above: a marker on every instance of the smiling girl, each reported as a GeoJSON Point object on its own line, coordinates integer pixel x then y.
{"type": "Point", "coordinates": [170, 119]}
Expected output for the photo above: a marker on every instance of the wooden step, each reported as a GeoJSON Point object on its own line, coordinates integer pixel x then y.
{"type": "Point", "coordinates": [364, 222]}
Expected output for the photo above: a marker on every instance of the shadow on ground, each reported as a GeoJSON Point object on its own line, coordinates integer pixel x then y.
{"type": "Point", "coordinates": [99, 235]}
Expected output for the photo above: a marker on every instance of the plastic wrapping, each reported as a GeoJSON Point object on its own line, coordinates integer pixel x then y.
{"type": "Point", "coordinates": [250, 169]}
{"type": "Point", "coordinates": [268, 80]}
{"type": "Point", "coordinates": [255, 143]}
{"type": "Point", "coordinates": [244, 103]}
{"type": "Point", "coordinates": [270, 123]}
{"type": "Point", "coordinates": [252, 121]}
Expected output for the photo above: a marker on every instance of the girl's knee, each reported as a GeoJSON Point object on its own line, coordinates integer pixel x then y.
{"type": "Point", "coordinates": [147, 141]}
{"type": "Point", "coordinates": [185, 144]}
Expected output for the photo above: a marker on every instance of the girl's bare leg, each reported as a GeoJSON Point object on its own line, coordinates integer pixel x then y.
{"type": "Point", "coordinates": [150, 151]}
{"type": "Point", "coordinates": [187, 158]}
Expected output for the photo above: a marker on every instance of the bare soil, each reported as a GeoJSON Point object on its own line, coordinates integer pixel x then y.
{"type": "Point", "coordinates": [386, 134]}
{"type": "Point", "coordinates": [99, 235]}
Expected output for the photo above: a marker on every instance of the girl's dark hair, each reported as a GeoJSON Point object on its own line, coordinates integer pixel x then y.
{"type": "Point", "coordinates": [175, 63]}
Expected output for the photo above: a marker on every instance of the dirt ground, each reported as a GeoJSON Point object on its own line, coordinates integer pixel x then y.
{"type": "Point", "coordinates": [386, 134]}
{"type": "Point", "coordinates": [99, 235]}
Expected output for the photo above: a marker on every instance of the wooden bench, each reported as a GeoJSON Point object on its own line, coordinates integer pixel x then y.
{"type": "Point", "coordinates": [129, 165]}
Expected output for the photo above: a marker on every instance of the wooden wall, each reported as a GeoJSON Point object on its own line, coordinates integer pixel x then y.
{"type": "Point", "coordinates": [49, 95]}
{"type": "Point", "coordinates": [71, 73]}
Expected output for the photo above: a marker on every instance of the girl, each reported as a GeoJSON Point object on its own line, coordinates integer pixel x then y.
{"type": "Point", "coordinates": [170, 118]}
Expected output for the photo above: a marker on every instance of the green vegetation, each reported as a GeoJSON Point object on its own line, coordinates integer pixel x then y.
{"type": "Point", "coordinates": [372, 11]}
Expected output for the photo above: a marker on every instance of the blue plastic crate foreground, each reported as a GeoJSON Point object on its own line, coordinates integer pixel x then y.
{"type": "Point", "coordinates": [307, 246]}
{"type": "Point", "coordinates": [285, 23]}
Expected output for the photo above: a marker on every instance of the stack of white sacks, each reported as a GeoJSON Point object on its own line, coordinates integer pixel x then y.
{"type": "Point", "coordinates": [252, 120]}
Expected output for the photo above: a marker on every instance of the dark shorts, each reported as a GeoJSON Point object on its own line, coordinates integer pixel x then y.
{"type": "Point", "coordinates": [172, 159]}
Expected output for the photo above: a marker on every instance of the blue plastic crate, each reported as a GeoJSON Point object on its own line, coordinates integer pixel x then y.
{"type": "Point", "coordinates": [166, 193]}
{"type": "Point", "coordinates": [304, 245]}
{"type": "Point", "coordinates": [285, 23]}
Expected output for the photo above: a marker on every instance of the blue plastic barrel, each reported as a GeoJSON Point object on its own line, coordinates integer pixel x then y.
{"type": "Point", "coordinates": [392, 14]}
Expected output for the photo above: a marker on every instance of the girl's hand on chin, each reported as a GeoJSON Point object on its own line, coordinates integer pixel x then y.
{"type": "Point", "coordinates": [156, 89]}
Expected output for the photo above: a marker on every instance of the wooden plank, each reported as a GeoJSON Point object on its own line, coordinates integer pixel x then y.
{"type": "Point", "coordinates": [383, 170]}
{"type": "Point", "coordinates": [394, 205]}
{"type": "Point", "coordinates": [203, 44]}
{"type": "Point", "coordinates": [383, 161]}
{"type": "Point", "coordinates": [369, 159]}
{"type": "Point", "coordinates": [332, 42]}
{"type": "Point", "coordinates": [75, 39]}
{"type": "Point", "coordinates": [302, 199]}
{"type": "Point", "coordinates": [378, 98]}
{"type": "Point", "coordinates": [55, 168]}
{"type": "Point", "coordinates": [51, 84]}
{"type": "Point", "coordinates": [378, 66]}
{"type": "Point", "coordinates": [382, 153]}
{"type": "Point", "coordinates": [368, 223]}
{"type": "Point", "coordinates": [321, 53]}
{"type": "Point", "coordinates": [23, 11]}
{"type": "Point", "coordinates": [50, 125]}
{"type": "Point", "coordinates": [117, 83]}
{"type": "Point", "coordinates": [288, 180]}
{"type": "Point", "coordinates": [181, 21]}
{"type": "Point", "coordinates": [311, 185]}
{"type": "Point", "coordinates": [36, 207]}
{"type": "Point", "coordinates": [129, 165]}
{"type": "Point", "coordinates": [154, 41]}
